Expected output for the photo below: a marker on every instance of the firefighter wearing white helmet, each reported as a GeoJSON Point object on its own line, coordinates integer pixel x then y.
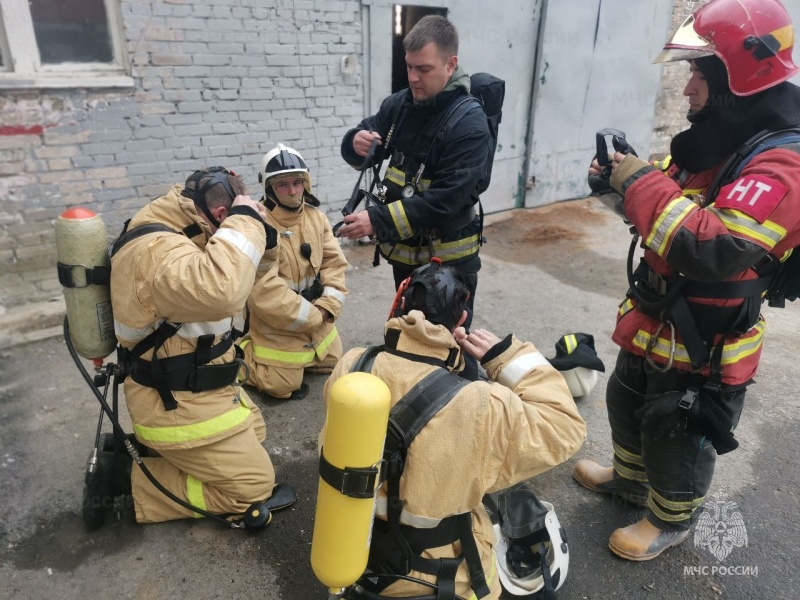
{"type": "Point", "coordinates": [294, 303]}
{"type": "Point", "coordinates": [485, 437]}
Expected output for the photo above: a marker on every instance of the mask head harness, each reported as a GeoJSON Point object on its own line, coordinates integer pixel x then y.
{"type": "Point", "coordinates": [214, 176]}
{"type": "Point", "coordinates": [440, 284]}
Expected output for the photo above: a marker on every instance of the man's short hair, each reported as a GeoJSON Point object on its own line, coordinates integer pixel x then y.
{"type": "Point", "coordinates": [433, 29]}
{"type": "Point", "coordinates": [217, 196]}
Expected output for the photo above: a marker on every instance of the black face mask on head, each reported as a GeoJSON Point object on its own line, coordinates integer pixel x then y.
{"type": "Point", "coordinates": [728, 120]}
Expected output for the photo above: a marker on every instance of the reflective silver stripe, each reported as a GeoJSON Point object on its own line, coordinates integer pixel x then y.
{"type": "Point", "coordinates": [674, 214]}
{"type": "Point", "coordinates": [406, 518]}
{"type": "Point", "coordinates": [333, 293]}
{"type": "Point", "coordinates": [513, 372]}
{"type": "Point", "coordinates": [398, 213]}
{"type": "Point", "coordinates": [135, 333]}
{"type": "Point", "coordinates": [307, 282]}
{"type": "Point", "coordinates": [193, 330]}
{"type": "Point", "coordinates": [302, 317]}
{"type": "Point", "coordinates": [186, 331]}
{"type": "Point", "coordinates": [241, 243]}
{"type": "Point", "coordinates": [768, 233]}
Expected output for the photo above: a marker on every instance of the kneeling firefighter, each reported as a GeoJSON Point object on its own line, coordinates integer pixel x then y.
{"type": "Point", "coordinates": [451, 441]}
{"type": "Point", "coordinates": [176, 284]}
{"type": "Point", "coordinates": [295, 302]}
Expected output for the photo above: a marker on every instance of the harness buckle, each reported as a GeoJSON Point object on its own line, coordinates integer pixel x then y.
{"type": "Point", "coordinates": [656, 283]}
{"type": "Point", "coordinates": [687, 400]}
{"type": "Point", "coordinates": [359, 482]}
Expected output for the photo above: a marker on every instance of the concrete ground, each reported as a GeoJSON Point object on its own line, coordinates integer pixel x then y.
{"type": "Point", "coordinates": [546, 272]}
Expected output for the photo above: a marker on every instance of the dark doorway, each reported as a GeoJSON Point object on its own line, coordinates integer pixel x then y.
{"type": "Point", "coordinates": [404, 18]}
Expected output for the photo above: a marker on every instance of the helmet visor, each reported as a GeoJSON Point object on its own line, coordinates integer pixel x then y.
{"type": "Point", "coordinates": [685, 45]}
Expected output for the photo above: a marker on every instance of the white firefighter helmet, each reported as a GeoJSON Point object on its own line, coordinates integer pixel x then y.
{"type": "Point", "coordinates": [281, 161]}
{"type": "Point", "coordinates": [581, 381]}
{"type": "Point", "coordinates": [519, 562]}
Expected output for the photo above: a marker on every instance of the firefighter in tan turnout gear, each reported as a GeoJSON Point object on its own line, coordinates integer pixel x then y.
{"type": "Point", "coordinates": [180, 273]}
{"type": "Point", "coordinates": [487, 437]}
{"type": "Point", "coordinates": [295, 302]}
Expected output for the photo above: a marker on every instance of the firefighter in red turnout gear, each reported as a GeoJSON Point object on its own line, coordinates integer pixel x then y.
{"type": "Point", "coordinates": [690, 329]}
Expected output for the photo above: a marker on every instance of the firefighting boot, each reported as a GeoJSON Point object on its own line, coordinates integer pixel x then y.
{"type": "Point", "coordinates": [643, 540]}
{"type": "Point", "coordinates": [606, 481]}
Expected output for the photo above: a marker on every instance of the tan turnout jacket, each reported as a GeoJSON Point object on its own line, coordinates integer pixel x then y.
{"type": "Point", "coordinates": [286, 329]}
{"type": "Point", "coordinates": [487, 438]}
{"type": "Point", "coordinates": [202, 283]}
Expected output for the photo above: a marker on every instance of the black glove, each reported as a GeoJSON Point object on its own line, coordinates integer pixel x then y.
{"type": "Point", "coordinates": [660, 416]}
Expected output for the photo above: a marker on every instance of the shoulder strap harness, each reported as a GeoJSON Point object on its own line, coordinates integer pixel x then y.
{"type": "Point", "coordinates": [184, 372]}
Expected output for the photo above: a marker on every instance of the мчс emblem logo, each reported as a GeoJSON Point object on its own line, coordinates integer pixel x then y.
{"type": "Point", "coordinates": [720, 527]}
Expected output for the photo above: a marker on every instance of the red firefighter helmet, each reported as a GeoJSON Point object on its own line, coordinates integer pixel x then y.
{"type": "Point", "coordinates": [754, 38]}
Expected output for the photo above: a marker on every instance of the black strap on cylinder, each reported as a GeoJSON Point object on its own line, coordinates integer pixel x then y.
{"type": "Point", "coordinates": [97, 275]}
{"type": "Point", "coordinates": [355, 482]}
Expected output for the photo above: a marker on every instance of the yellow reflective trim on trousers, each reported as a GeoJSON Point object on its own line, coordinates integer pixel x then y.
{"type": "Point", "coordinates": [196, 431]}
{"type": "Point", "coordinates": [398, 213]}
{"type": "Point", "coordinates": [413, 255]}
{"type": "Point", "coordinates": [677, 504]}
{"type": "Point", "coordinates": [295, 358]}
{"type": "Point", "coordinates": [628, 473]}
{"type": "Point", "coordinates": [323, 345]}
{"type": "Point", "coordinates": [732, 353]}
{"type": "Point", "coordinates": [670, 219]}
{"type": "Point", "coordinates": [571, 343]}
{"type": "Point", "coordinates": [396, 176]}
{"type": "Point", "coordinates": [194, 494]}
{"type": "Point", "coordinates": [626, 455]}
{"type": "Point", "coordinates": [489, 579]}
{"type": "Point", "coordinates": [768, 232]}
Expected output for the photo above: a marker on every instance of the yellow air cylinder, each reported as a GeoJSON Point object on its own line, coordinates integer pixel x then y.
{"type": "Point", "coordinates": [82, 245]}
{"type": "Point", "coordinates": [355, 430]}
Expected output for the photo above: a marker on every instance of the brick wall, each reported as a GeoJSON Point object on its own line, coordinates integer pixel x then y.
{"type": "Point", "coordinates": [671, 105]}
{"type": "Point", "coordinates": [216, 82]}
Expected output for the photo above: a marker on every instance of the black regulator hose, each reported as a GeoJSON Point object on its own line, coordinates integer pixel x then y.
{"type": "Point", "coordinates": [120, 434]}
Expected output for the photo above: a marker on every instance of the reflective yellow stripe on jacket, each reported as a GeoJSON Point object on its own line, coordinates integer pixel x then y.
{"type": "Point", "coordinates": [295, 358]}
{"type": "Point", "coordinates": [732, 352]}
{"type": "Point", "coordinates": [196, 431]}
{"type": "Point", "coordinates": [447, 251]}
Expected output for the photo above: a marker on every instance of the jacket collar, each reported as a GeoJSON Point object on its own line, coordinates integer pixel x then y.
{"type": "Point", "coordinates": [420, 337]}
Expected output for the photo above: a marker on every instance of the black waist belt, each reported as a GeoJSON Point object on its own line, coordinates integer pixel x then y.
{"type": "Point", "coordinates": [183, 373]}
{"type": "Point", "coordinates": [699, 323]}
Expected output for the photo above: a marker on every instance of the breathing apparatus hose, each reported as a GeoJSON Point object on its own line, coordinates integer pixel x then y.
{"type": "Point", "coordinates": [120, 434]}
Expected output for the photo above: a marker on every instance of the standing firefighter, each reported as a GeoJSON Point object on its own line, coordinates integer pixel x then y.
{"type": "Point", "coordinates": [478, 437]}
{"type": "Point", "coordinates": [440, 155]}
{"type": "Point", "coordinates": [690, 330]}
{"type": "Point", "coordinates": [180, 274]}
{"type": "Point", "coordinates": [294, 302]}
